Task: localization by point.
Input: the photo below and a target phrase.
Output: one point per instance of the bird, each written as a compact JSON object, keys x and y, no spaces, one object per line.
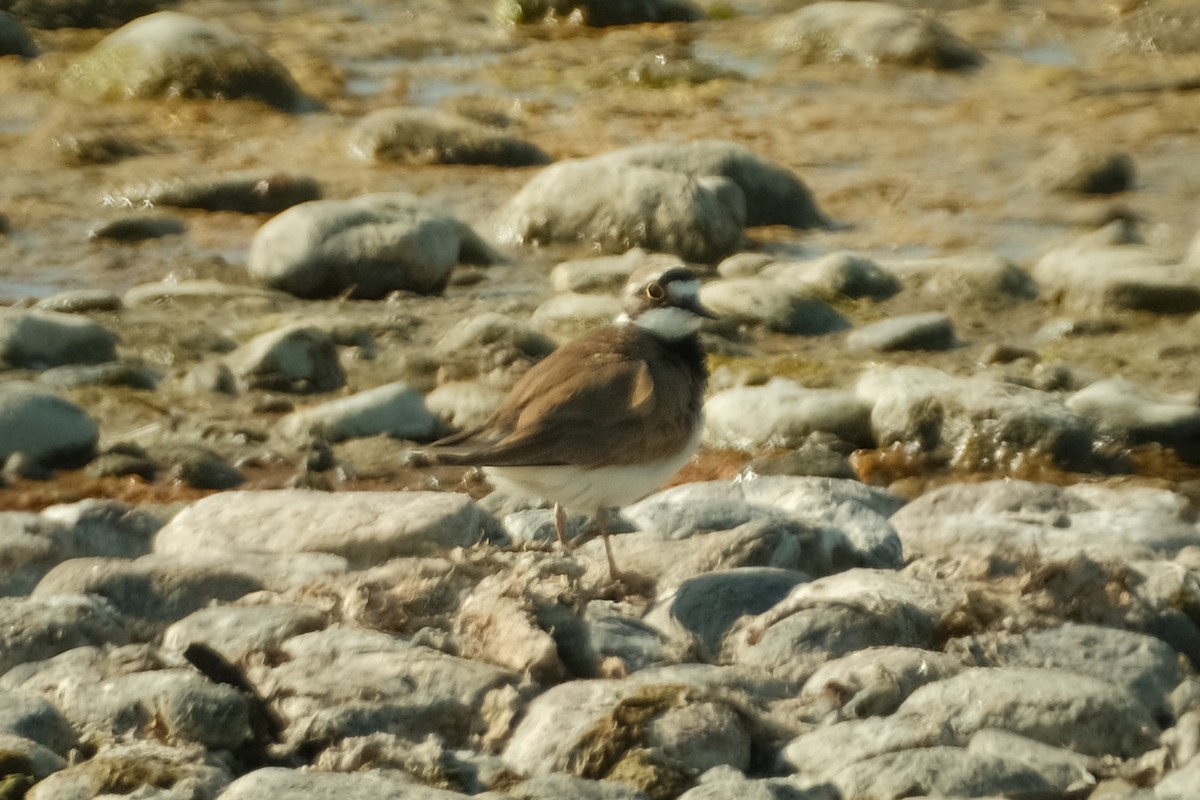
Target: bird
{"x":606,"y":419}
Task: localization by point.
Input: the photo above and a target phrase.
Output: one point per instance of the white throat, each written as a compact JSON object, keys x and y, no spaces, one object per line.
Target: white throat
{"x":668,"y":322}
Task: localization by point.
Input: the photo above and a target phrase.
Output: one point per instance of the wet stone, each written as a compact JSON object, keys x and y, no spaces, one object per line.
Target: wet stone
{"x":42,"y":627}
{"x":1129,"y":412}
{"x":14,"y":39}
{"x":137,"y":229}
{"x":154,"y":586}
{"x":843,"y":273}
{"x":871,"y":33}
{"x":41,"y":339}
{"x":370,"y":245}
{"x":47,"y":429}
{"x":597,"y":13}
{"x":80,"y":301}
{"x":169,"y":53}
{"x":33,"y":717}
{"x":932,"y":331}
{"x":138,"y":768}
{"x":197,"y":466}
{"x":394,"y":409}
{"x":782,"y":413}
{"x":297,"y":358}
{"x":431,"y":136}
{"x":365,"y":527}
{"x":132,"y":376}
{"x":981,"y":421}
{"x":77,"y":14}
{"x":1072,"y":167}
{"x":244,"y":194}
{"x":604,"y":203}
{"x":758,"y":301}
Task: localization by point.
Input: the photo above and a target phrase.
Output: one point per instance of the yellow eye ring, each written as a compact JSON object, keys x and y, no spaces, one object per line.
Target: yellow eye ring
{"x":655,"y":291}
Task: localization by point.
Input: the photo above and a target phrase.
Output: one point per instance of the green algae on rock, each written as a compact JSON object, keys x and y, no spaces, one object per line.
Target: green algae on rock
{"x":173,"y":55}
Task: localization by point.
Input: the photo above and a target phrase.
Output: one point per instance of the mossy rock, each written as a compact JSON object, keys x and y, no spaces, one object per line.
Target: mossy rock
{"x":174,"y":55}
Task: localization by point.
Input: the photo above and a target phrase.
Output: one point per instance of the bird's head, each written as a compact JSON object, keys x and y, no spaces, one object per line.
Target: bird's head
{"x":665,"y":302}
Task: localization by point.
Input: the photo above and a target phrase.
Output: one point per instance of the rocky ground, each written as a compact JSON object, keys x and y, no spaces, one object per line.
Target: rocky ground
{"x":942,"y":538}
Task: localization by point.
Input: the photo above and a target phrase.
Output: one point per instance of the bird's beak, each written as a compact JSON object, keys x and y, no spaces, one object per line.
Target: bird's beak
{"x":693,"y":305}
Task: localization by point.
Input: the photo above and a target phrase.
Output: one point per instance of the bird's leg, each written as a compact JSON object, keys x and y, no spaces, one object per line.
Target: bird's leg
{"x":560,"y":527}
{"x":602,"y":527}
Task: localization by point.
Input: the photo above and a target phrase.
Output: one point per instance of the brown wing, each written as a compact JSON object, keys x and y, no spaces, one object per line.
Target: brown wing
{"x":576,"y":404}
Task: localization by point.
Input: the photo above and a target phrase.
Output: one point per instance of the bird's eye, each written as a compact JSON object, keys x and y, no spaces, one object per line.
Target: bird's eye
{"x":655,"y":291}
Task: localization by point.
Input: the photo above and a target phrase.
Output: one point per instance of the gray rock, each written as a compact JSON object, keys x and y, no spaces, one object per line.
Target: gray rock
{"x":171,"y":54}
{"x":577,"y":727}
{"x":932,"y":331}
{"x":605,"y":273}
{"x":41,"y":627}
{"x":197,"y":466}
{"x":841,"y":273}
{"x":202,"y":292}
{"x":131,"y":376}
{"x":705,"y":607}
{"x":782,"y":413}
{"x":1081,"y":713}
{"x":80,"y":301}
{"x":28,"y":757}
{"x":941,"y":772}
{"x":295,"y":358}
{"x":872,"y":33}
{"x":137,"y":228}
{"x":462,"y":405}
{"x":983,"y":423}
{"x":758,"y":301}
{"x":1141,"y":665}
{"x":187,"y":706}
{"x":597,"y":13}
{"x":851,"y":518}
{"x":576,"y":311}
{"x":432,"y":136}
{"x":41,"y":339}
{"x":313,"y":785}
{"x":1099,"y":275}
{"x":33,"y":543}
{"x":79,"y":13}
{"x":497,"y":334}
{"x":1181,"y":784}
{"x":88,"y":664}
{"x":1031,"y":519}
{"x":1129,"y":412}
{"x":613,"y":633}
{"x":394,"y":409}
{"x":744,"y":265}
{"x":14,"y":39}
{"x":236,"y":631}
{"x":614,"y":206}
{"x":1072,"y":167}
{"x":722,"y":783}
{"x":365,"y":527}
{"x":370,"y":246}
{"x":384,"y":684}
{"x":155,"y":586}
{"x":981,"y":278}
{"x":820,"y":455}
{"x":143,"y":769}
{"x":33,"y":717}
{"x":773,"y":194}
{"x":876,"y":680}
{"x":558,"y":785}
{"x":1067,"y":771}
{"x":836,"y":615}
{"x":240,"y":193}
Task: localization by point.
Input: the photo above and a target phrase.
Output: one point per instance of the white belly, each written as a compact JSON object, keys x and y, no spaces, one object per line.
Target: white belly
{"x":587,"y":490}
